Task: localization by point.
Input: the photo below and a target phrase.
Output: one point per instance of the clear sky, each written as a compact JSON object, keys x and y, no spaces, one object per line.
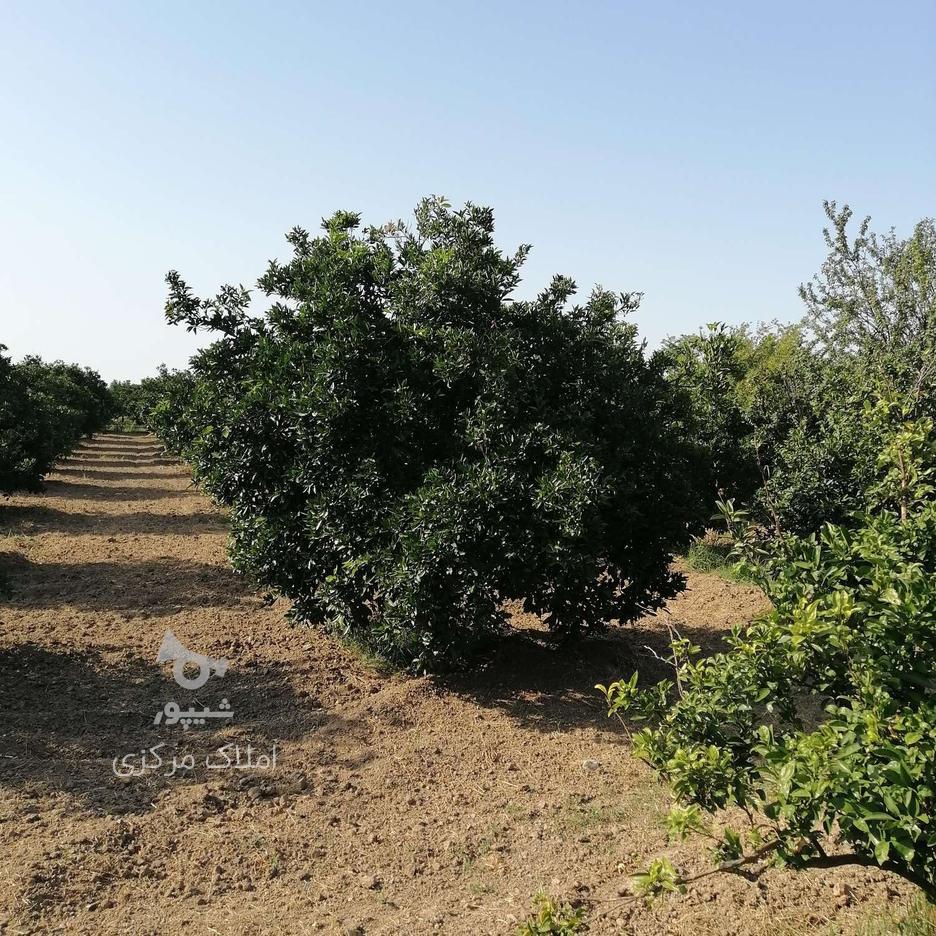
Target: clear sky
{"x":680,"y":149}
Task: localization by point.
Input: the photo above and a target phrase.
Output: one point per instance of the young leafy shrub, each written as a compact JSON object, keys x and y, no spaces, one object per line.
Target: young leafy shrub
{"x":404,"y":446}
{"x":820,"y":720}
{"x":552,"y":918}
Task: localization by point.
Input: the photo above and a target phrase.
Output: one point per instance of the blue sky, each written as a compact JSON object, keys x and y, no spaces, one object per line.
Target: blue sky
{"x":680,"y":149}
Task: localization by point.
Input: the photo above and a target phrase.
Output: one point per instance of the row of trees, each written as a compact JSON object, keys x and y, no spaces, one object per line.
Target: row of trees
{"x":404,"y":446}
{"x":45,"y":409}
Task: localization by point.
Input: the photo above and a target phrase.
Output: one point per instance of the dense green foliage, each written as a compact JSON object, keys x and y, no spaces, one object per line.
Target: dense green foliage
{"x":820,"y":719}
{"x":553,"y":918}
{"x":874,"y":302}
{"x":707,"y":371}
{"x":169,"y":410}
{"x":404,"y":446}
{"x":780,"y":410}
{"x":159,"y":403}
{"x":130,"y":404}
{"x":44,"y":410}
{"x":781,"y":422}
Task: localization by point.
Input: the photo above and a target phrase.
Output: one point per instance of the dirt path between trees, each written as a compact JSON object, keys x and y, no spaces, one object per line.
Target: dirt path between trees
{"x":396,"y":806}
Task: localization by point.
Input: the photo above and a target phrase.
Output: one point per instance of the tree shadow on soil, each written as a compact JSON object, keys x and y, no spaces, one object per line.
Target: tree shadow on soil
{"x":118,"y":460}
{"x":39,"y":519}
{"x":136,"y":588}
{"x":68,"y":715}
{"x":105,"y":475}
{"x":136,"y":442}
{"x":75,"y":490}
{"x":549,"y":684}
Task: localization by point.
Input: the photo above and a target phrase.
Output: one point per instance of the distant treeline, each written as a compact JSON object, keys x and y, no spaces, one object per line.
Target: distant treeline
{"x":781,"y":412}
{"x":45,"y":409}
{"x":136,"y":402}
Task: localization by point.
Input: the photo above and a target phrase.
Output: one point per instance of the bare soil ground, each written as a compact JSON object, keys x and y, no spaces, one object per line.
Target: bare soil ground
{"x":397,"y":805}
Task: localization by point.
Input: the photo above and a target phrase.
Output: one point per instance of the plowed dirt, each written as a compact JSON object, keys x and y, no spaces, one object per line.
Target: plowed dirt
{"x":396,"y":806}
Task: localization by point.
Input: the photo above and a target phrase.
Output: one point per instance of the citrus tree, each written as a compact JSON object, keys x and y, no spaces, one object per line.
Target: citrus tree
{"x":707,"y":370}
{"x":819,"y":721}
{"x":404,"y":445}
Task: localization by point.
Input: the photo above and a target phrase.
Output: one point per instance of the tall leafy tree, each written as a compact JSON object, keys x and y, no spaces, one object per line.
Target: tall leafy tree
{"x":780,"y":410}
{"x":874,"y":302}
{"x":404,"y":445}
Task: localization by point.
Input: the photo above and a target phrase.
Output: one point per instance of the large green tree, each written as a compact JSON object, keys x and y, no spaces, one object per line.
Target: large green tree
{"x":405,"y":445}
{"x":874,"y":303}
